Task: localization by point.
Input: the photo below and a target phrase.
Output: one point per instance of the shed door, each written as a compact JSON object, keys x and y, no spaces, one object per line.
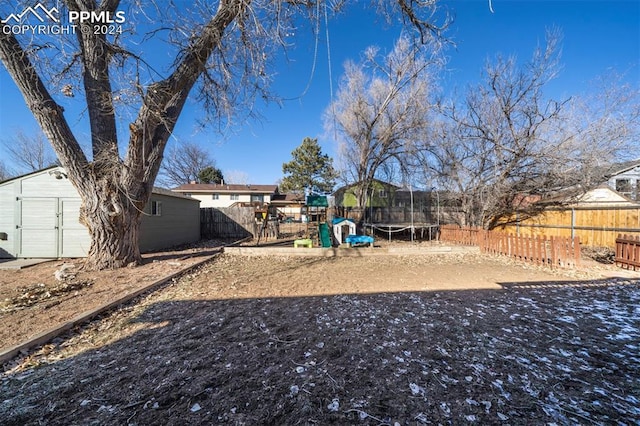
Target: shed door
{"x":37,"y":229}
{"x":74,"y":237}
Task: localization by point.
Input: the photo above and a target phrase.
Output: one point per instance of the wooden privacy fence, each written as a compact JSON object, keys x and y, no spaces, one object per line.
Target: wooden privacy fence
{"x":234,"y":223}
{"x":228,"y":222}
{"x":549,"y":251}
{"x":628,"y":251}
{"x":596,"y":226}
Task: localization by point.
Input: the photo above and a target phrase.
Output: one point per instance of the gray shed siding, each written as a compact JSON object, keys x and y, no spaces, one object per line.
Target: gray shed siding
{"x":7,"y":220}
{"x":39,"y":214}
{"x":178,"y":223}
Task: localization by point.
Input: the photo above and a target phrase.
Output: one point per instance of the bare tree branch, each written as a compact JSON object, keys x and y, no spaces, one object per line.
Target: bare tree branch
{"x":29,"y":153}
{"x":382,"y":107}
{"x":183,"y":163}
{"x":508,"y":151}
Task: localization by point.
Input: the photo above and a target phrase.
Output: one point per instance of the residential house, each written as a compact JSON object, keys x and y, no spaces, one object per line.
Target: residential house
{"x":227,"y":195}
{"x":380,"y":194}
{"x":39,"y":217}
{"x":388,"y":203}
{"x":624,"y":178}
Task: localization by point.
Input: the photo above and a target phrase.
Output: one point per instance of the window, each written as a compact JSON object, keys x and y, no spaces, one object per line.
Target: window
{"x":382,"y":193}
{"x":257,"y":198}
{"x":187,"y":194}
{"x":623,"y":185}
{"x":235,"y":197}
{"x":156,"y":208}
{"x":215,"y":196}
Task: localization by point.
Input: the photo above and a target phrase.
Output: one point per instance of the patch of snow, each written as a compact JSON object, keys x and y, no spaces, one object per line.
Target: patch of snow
{"x":334,"y":406}
{"x":422,"y":418}
{"x":567,"y":319}
{"x":445,"y":408}
{"x":620,"y":336}
{"x":415,"y":389}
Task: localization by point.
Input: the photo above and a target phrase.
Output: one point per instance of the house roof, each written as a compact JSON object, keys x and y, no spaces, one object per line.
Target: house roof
{"x":604,"y":195}
{"x":169,"y":193}
{"x":226,"y":188}
{"x":288,"y":198}
{"x":615,"y":169}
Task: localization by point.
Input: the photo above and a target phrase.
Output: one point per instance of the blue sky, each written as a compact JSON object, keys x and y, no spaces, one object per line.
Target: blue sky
{"x":598,"y":36}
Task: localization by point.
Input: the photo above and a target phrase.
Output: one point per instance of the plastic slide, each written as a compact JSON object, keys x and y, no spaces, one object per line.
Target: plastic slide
{"x":325,"y":238}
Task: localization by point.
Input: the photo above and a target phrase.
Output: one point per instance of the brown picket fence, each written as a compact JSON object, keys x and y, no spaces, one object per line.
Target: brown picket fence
{"x":549,"y":251}
{"x":465,"y":235}
{"x":628,"y":251}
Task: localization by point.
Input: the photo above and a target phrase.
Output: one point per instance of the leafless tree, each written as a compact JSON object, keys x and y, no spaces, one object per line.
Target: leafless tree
{"x":508,"y":151}
{"x":604,"y":125}
{"x":29,"y":153}
{"x":381,"y":108}
{"x":183,"y":163}
{"x":4,"y":172}
{"x":238,"y":177}
{"x":220,"y":49}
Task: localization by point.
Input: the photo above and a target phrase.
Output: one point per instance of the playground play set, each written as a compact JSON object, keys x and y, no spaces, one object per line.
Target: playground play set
{"x":344,"y":230}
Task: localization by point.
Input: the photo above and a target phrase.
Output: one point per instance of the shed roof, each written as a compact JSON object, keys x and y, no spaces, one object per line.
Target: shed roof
{"x":29,"y":174}
{"x":156,"y":189}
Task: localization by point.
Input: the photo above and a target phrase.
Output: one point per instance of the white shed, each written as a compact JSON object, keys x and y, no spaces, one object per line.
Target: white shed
{"x":39,"y":217}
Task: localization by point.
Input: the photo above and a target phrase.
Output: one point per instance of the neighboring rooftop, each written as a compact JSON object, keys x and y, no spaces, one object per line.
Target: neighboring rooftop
{"x":222,"y":188}
{"x":289,"y":198}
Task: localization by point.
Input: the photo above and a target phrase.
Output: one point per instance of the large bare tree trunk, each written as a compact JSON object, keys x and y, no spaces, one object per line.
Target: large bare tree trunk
{"x":114,"y":234}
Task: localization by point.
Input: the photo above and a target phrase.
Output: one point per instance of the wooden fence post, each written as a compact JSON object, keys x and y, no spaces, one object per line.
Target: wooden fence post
{"x":554,"y":252}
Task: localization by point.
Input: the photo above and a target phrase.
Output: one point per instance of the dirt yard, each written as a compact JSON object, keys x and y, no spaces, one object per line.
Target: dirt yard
{"x":434,"y":339}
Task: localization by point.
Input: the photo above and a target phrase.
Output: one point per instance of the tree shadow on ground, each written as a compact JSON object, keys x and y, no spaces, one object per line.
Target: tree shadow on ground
{"x":531,"y":353}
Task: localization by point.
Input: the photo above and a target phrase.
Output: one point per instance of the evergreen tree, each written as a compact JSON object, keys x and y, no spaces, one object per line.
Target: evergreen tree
{"x":309,"y":168}
{"x":210,"y":175}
